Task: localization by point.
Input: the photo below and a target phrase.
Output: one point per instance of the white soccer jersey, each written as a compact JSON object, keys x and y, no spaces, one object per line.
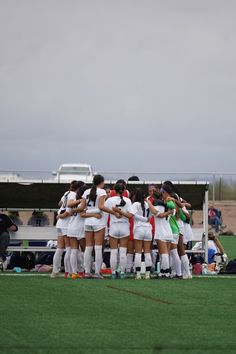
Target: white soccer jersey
{"x":140,"y":216}
{"x":115,"y":202}
{"x":162,"y":227}
{"x":63,"y":223}
{"x":92,"y":207}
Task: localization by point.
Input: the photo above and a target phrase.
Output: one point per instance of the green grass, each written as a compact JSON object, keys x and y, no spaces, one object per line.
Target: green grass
{"x":229,"y":243}
{"x":40,"y":315}
{"x":56,"y":316}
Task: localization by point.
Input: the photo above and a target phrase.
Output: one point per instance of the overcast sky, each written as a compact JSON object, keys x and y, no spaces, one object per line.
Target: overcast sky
{"x":122,"y":84}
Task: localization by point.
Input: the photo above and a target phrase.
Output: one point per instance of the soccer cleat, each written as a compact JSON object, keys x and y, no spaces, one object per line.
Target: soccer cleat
{"x":87,"y":276}
{"x":147,"y":276}
{"x":75,"y":276}
{"x":54,"y":275}
{"x":66,"y":275}
{"x":187,"y":276}
{"x":163,"y":276}
{"x":97,"y":276}
{"x":138,"y":276}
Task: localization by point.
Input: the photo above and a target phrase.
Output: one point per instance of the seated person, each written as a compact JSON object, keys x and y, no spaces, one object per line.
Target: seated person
{"x":38,"y":218}
{"x":214,"y":247}
{"x":6,"y":225}
{"x":215,"y":218}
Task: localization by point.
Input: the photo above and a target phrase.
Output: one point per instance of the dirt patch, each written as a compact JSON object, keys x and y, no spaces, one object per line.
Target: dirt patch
{"x":228,"y":210}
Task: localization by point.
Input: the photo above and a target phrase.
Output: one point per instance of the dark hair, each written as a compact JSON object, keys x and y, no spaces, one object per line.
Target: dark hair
{"x":119,"y":188}
{"x":157,"y":195}
{"x":172,"y":186}
{"x":97,"y":179}
{"x":81,"y":191}
{"x":167,"y":189}
{"x":76,"y":185}
{"x":121,"y":181}
{"x":140,"y":197}
{"x":133,"y":178}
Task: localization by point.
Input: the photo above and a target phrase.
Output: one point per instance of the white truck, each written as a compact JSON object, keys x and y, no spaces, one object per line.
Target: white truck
{"x":68,"y":172}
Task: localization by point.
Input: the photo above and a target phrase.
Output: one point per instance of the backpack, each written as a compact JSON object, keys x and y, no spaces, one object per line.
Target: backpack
{"x":231,"y":267}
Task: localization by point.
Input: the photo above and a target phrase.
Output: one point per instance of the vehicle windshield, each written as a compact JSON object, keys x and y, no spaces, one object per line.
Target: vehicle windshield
{"x":70,"y":170}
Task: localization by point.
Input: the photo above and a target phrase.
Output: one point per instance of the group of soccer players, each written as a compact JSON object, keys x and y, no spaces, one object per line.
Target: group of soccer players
{"x":132,"y":221}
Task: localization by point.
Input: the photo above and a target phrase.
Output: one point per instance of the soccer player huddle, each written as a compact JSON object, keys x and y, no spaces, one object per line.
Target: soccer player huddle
{"x":132,"y":222}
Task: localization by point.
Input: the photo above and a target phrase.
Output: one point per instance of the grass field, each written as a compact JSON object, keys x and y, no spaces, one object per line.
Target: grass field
{"x":40,"y":315}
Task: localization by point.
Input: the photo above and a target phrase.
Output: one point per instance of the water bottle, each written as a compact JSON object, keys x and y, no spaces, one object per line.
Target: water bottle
{"x":204,"y":269}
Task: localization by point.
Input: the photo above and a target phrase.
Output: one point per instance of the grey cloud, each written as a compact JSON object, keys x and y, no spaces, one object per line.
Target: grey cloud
{"x":129,"y":80}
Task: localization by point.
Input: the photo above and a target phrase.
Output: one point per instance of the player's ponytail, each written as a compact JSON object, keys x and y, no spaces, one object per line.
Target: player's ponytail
{"x":119,"y":188}
{"x":98,"y":179}
{"x":140,"y":197}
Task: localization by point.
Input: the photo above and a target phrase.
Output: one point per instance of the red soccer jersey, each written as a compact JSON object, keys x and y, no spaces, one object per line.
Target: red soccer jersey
{"x":124,"y":194}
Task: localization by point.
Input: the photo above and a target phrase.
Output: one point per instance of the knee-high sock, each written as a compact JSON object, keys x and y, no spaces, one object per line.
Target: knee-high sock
{"x":137,"y":262}
{"x":67,"y":260}
{"x":74,"y":260}
{"x":165,"y":265}
{"x":98,"y":258}
{"x":57,"y":260}
{"x":185,"y":265}
{"x":123,"y":259}
{"x":113,"y":259}
{"x":88,"y":259}
{"x":176,"y":262}
{"x":130,"y":262}
{"x":148,"y":261}
{"x":154,"y":258}
{"x":80,"y":258}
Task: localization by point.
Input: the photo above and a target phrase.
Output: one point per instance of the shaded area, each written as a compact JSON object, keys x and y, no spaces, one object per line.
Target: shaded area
{"x":46,"y":195}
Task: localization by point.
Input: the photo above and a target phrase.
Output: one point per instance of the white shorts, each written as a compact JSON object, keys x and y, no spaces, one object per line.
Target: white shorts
{"x":176,"y":239}
{"x":94,"y":228}
{"x":188,"y":233}
{"x":61,"y":232}
{"x":119,"y":230}
{"x":171,"y":240}
{"x":143,"y":233}
{"x":77,"y":232}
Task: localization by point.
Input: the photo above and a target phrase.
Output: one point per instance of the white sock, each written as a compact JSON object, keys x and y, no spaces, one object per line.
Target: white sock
{"x":165,"y":265}
{"x":88,"y":259}
{"x":123,"y":259}
{"x":118,"y":261}
{"x":57,"y":260}
{"x":154,"y":258}
{"x":98,"y":258}
{"x":148,"y":261}
{"x":113,"y":259}
{"x":67,"y":260}
{"x":185,"y":265}
{"x":130,"y":262}
{"x":175,"y":261}
{"x":137,"y":262}
{"x":74,"y":260}
{"x":80,"y":258}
